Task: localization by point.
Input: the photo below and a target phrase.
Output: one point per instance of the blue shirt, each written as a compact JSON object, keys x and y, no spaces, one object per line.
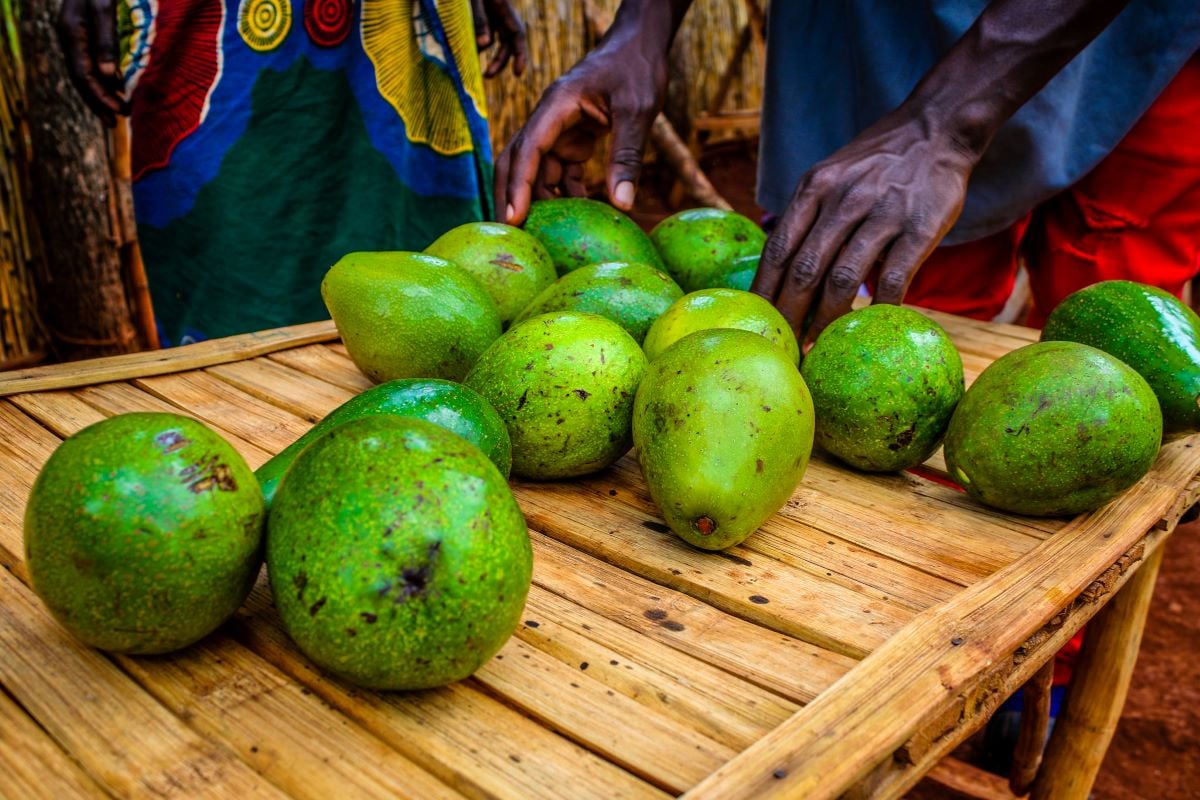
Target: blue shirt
{"x":834,"y":68}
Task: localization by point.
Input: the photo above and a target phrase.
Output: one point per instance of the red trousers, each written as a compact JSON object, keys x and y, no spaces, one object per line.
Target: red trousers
{"x":1136,"y":216}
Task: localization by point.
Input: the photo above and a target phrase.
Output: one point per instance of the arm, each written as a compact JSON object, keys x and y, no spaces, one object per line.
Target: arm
{"x":87,"y":33}
{"x":498,"y":21}
{"x":895,"y":190}
{"x":619,"y":86}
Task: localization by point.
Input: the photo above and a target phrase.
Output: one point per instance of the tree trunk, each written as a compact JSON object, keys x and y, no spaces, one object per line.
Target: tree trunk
{"x":82,"y":293}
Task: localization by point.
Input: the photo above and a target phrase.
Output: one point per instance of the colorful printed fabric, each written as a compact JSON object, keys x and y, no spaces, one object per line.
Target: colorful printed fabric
{"x":270,"y":137}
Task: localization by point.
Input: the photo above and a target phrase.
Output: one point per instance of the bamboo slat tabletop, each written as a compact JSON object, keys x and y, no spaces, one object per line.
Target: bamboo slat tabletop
{"x":848,"y":645}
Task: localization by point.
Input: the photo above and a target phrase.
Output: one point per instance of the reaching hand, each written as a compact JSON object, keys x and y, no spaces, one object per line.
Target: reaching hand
{"x":887,"y":197}
{"x":87,"y":33}
{"x":498,"y":20}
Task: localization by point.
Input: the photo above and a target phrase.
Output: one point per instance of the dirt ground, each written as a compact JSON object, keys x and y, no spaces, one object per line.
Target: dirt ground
{"x":1155,"y":753}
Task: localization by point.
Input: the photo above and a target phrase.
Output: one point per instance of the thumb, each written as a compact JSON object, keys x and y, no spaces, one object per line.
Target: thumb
{"x":630,"y":128}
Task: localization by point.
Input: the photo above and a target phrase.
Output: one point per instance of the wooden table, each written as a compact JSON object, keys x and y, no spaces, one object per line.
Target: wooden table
{"x":845,"y":648}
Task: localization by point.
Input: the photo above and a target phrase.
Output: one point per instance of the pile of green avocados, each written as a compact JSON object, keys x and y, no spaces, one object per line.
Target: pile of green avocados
{"x":396,"y":553}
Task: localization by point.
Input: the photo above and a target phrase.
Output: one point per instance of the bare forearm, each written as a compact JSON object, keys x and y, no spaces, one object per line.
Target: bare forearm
{"x":651,"y":23}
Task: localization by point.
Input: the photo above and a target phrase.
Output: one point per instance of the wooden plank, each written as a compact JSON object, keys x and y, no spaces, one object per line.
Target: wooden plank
{"x":472,"y":742}
{"x":761,"y":590}
{"x":726,"y":708}
{"x":971,"y":781}
{"x":126,"y":741}
{"x":784,"y":665}
{"x":301,"y":745}
{"x":322,"y":362}
{"x":303,"y":395}
{"x":161,"y":362}
{"x":33,"y":766}
{"x":864,"y":718}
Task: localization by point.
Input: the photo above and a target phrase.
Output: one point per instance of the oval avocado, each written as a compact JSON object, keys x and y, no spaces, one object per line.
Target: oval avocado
{"x":143,"y":532}
{"x":884,"y":381}
{"x":564,"y":384}
{"x":448,"y":405}
{"x":1052,"y":429}
{"x":738,"y":273}
{"x":1150,"y":330}
{"x":698,"y":244}
{"x":508,"y":262}
{"x":720,"y":308}
{"x":409,"y":315}
{"x":631,"y":295}
{"x":723,"y":426}
{"x":577,"y":231}
{"x":397,"y":555}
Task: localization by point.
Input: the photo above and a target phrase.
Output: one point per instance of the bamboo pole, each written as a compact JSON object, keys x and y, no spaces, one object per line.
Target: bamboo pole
{"x":126,"y":227}
{"x":1035,"y":721}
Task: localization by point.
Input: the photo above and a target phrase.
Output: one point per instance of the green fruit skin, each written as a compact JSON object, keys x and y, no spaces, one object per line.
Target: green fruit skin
{"x":564,"y":385}
{"x":409,"y":315}
{"x":511,"y":264}
{"x":448,"y":405}
{"x":1150,"y":330}
{"x":737,"y":274}
{"x":143,"y":533}
{"x":720,"y":308}
{"x":577,"y":232}
{"x":723,"y":426}
{"x":397,"y":554}
{"x":698,"y":244}
{"x":1053,"y":429}
{"x":631,"y":295}
{"x":884,"y":381}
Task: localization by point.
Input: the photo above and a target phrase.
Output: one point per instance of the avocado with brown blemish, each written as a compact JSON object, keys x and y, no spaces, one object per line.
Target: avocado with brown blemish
{"x":723,"y":426}
{"x":143,"y":532}
{"x":1053,"y":429}
{"x":564,"y":384}
{"x":397,"y":554}
{"x":884,"y":381}
{"x":509,"y":263}
{"x":720,"y":308}
{"x":1150,"y":330}
{"x":446,"y":404}
{"x":631,"y":295}
{"x":698,"y":245}
{"x":577,"y":232}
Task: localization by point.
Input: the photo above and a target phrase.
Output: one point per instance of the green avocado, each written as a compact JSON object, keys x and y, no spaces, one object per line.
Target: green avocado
{"x":510,"y":264}
{"x":631,"y":295}
{"x":564,"y":384}
{"x":723,"y":426}
{"x":409,"y":315}
{"x":576,"y":232}
{"x":397,"y":555}
{"x":884,"y":381}
{"x":448,"y":405}
{"x":737,"y":274}
{"x":143,"y":533}
{"x":720,"y":308}
{"x":1150,"y":330}
{"x":1053,"y":429}
{"x":699,"y":244}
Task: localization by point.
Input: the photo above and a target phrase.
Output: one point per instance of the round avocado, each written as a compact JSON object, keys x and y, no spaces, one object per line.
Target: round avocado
{"x":631,"y":295}
{"x":698,"y":244}
{"x":143,"y":533}
{"x":409,"y":315}
{"x":448,"y":405}
{"x":1150,"y":330}
{"x":723,"y":425}
{"x":1053,"y":429}
{"x":564,"y":384}
{"x":884,"y":381}
{"x":397,"y":554}
{"x":576,"y":232}
{"x":510,"y":264}
{"x":720,"y":308}
{"x":737,"y":274}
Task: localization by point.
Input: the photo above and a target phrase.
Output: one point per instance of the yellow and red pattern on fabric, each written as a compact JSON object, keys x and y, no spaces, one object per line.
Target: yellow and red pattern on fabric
{"x":328,"y":22}
{"x":413,"y":83}
{"x":170,"y":98}
{"x":264,"y":24}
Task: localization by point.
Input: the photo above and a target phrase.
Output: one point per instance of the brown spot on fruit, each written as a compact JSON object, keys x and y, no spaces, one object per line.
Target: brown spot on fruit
{"x":317,"y":606}
{"x":171,"y":441}
{"x":704,"y":525}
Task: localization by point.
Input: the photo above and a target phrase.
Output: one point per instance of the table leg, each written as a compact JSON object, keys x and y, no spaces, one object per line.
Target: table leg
{"x":1097,"y":693}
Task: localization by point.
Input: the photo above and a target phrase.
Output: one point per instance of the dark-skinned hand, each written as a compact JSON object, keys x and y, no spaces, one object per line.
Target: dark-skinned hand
{"x":498,"y":21}
{"x":87,"y":33}
{"x":887,"y":198}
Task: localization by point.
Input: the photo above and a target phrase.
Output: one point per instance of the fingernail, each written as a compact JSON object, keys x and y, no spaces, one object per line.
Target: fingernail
{"x":624,"y":195}
{"x":509,"y":213}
